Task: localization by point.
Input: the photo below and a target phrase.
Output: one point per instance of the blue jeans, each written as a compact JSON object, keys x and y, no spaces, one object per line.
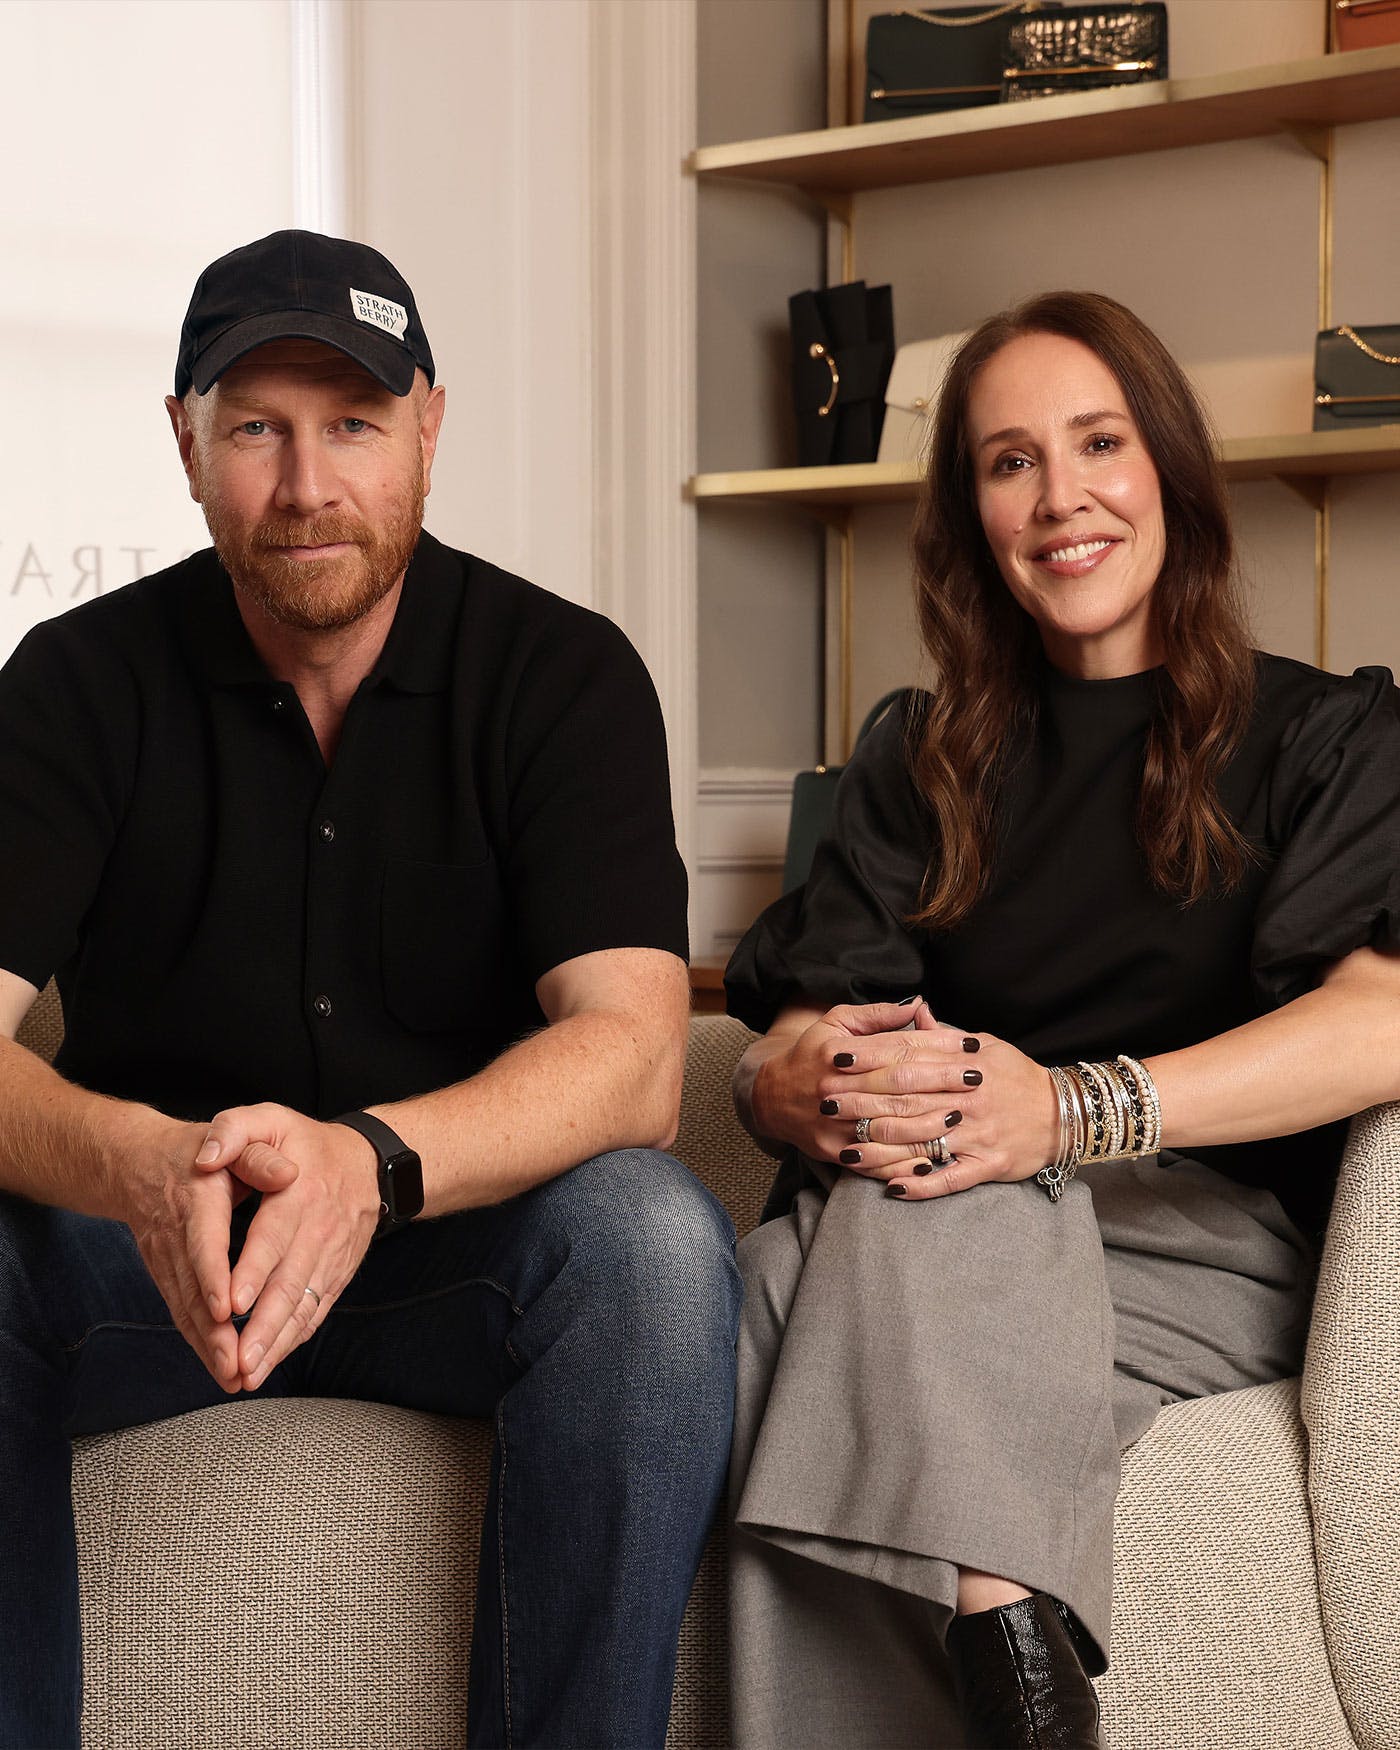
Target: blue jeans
{"x":594,"y":1318}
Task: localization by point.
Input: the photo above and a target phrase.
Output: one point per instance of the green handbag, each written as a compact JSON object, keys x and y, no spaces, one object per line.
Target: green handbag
{"x":813,"y":795}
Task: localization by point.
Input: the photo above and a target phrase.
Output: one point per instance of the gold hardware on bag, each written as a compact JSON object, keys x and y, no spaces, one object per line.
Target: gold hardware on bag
{"x":1365,"y":8}
{"x":1080,"y":67}
{"x":817,"y":351}
{"x":1347,"y":332}
{"x":932,"y":90}
{"x":1352,"y":400}
{"x":963,"y":23}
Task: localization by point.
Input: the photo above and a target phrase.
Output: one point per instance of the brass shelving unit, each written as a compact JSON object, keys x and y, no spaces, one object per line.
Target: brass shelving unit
{"x":1293,"y":97}
{"x":1305,"y":99}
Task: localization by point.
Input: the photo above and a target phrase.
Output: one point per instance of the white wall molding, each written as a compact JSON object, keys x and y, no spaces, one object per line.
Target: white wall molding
{"x":644,"y":347}
{"x":755,"y":785}
{"x":741,"y":840}
{"x":324,"y":86}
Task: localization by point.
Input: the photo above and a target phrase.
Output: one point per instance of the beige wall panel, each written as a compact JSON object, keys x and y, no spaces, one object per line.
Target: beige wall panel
{"x":761,"y":70}
{"x":1366,"y":256}
{"x":485,"y":211}
{"x":1230,"y":284}
{"x":1364,"y":600}
{"x":756,"y":249}
{"x":760,"y":637}
{"x":885,"y":651}
{"x":1274,"y":531}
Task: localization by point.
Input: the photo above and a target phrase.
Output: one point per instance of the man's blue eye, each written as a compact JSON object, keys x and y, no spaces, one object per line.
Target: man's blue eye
{"x":254,"y":427}
{"x":353,"y":424}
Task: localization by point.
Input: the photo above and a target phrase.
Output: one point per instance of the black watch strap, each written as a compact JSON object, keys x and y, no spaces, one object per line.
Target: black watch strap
{"x":400,"y":1170}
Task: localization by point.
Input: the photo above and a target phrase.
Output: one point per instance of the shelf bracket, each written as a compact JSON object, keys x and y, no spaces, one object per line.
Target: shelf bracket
{"x":832,"y":516}
{"x":835,"y":201}
{"x":1311,"y":488}
{"x":1314,"y":140}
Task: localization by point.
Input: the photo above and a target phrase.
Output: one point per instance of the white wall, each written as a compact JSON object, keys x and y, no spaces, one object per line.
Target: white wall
{"x":124,"y":175}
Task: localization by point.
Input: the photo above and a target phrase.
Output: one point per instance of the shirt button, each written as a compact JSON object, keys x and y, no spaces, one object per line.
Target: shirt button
{"x":327,"y":830}
{"x":279,"y":704}
{"x":322,"y":1006}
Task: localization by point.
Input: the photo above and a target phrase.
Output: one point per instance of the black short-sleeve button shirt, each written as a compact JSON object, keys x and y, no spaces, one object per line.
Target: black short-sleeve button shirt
{"x":230,"y":920}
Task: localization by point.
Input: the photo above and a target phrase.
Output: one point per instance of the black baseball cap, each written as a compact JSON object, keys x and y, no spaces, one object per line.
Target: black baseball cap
{"x":299,"y":285}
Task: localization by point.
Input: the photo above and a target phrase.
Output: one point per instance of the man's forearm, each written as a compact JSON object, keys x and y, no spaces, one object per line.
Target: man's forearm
{"x":62,"y":1145}
{"x":580,"y":1087}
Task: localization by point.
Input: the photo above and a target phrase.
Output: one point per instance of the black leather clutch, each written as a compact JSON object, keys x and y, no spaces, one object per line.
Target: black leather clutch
{"x":1085,"y":48}
{"x":1357,"y":377}
{"x":842,"y":351}
{"x":930,"y":58}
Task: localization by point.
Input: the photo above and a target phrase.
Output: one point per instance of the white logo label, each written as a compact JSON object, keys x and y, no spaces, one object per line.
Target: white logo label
{"x":382,"y":312}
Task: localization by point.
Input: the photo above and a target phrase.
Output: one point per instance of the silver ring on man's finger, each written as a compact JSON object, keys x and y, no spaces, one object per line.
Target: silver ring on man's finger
{"x":312,"y":1292}
{"x":862,"y":1130}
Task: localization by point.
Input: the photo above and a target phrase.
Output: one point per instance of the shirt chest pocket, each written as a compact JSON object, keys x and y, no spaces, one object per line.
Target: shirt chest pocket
{"x":442,"y":944}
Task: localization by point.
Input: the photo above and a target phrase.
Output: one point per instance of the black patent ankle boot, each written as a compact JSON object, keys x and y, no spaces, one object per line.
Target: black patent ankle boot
{"x":1020,"y":1680}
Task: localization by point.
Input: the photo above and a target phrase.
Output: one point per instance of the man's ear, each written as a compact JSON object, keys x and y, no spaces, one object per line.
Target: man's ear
{"x":429,"y":426}
{"x":183,"y":427}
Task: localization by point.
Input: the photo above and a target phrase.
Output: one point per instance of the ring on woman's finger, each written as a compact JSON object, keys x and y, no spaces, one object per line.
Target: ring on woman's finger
{"x":862,"y":1130}
{"x":939,"y":1152}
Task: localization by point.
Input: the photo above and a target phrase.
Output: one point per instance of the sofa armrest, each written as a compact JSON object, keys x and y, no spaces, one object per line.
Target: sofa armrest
{"x":711,"y":1141}
{"x":41,"y":1030}
{"x":1351,"y":1407}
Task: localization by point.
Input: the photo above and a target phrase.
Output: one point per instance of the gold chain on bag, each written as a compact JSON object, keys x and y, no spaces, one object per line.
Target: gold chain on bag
{"x":1347,"y":332}
{"x":963,"y":23}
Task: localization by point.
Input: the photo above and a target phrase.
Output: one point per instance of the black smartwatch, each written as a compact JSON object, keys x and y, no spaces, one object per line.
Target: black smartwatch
{"x":400,"y":1171}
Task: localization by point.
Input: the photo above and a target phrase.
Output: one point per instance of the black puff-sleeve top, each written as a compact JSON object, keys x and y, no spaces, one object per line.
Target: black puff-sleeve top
{"x":1071,"y":952}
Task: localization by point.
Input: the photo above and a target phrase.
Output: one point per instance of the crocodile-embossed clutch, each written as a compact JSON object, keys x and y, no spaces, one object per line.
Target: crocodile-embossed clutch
{"x":1084,"y":48}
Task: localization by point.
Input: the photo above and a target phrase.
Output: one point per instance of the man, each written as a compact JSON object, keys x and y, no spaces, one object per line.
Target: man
{"x":352,"y":856}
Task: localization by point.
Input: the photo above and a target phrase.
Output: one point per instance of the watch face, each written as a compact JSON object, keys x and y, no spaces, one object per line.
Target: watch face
{"x":401,"y":1186}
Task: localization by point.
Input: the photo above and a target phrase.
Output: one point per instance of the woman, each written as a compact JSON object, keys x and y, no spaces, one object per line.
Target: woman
{"x":1115,"y":843}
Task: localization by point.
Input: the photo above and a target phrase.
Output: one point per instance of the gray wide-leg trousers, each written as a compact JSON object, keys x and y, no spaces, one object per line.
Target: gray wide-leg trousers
{"x":934,"y":1385}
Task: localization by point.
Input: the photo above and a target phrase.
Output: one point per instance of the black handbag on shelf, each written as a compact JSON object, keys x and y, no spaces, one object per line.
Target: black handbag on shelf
{"x":925,"y":59}
{"x":1085,"y":48}
{"x":1357,"y":376}
{"x":842,"y":351}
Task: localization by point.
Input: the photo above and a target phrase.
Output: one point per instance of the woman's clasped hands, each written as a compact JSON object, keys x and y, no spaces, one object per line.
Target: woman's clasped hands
{"x":862,"y":1088}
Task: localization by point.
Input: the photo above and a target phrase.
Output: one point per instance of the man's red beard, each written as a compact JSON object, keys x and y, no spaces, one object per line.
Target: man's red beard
{"x":316,"y":595}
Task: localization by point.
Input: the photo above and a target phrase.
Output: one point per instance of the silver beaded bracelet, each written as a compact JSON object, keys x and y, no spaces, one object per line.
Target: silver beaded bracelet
{"x":1107,"y":1112}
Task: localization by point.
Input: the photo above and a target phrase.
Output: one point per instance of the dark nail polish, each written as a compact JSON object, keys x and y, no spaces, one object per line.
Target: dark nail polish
{"x":849,"y":1157}
{"x":950,"y":1119}
{"x":971,"y":1044}
{"x":844,"y":1059}
{"x":973,"y":1078}
{"x":830,"y":1108}
{"x":896,"y":1190}
{"x":904,"y":1002}
{"x":922,"y":1169}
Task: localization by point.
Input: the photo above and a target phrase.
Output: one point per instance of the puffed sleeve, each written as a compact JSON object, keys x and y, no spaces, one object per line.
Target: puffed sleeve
{"x":842,"y":937}
{"x":1334,"y":814}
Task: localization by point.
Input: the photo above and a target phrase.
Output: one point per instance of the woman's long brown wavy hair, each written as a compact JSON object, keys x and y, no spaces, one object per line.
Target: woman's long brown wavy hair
{"x":985,"y":648}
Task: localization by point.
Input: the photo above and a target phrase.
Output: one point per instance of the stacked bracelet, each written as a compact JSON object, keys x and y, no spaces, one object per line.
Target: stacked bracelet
{"x":1108,"y":1112}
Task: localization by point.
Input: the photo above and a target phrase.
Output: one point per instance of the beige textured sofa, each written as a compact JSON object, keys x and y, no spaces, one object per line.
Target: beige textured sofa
{"x":299,"y":1575}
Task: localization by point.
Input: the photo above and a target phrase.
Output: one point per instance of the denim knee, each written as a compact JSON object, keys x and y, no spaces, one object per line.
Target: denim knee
{"x":653,"y":1251}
